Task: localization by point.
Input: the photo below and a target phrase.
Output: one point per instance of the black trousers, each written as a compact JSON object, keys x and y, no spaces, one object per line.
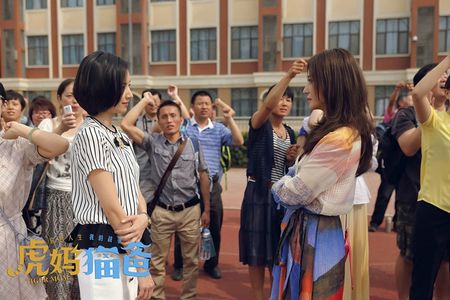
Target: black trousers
{"x":431,"y":245}
{"x":215,"y":226}
{"x":384,"y":194}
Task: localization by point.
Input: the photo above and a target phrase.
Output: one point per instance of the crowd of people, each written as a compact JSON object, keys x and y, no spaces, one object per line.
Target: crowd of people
{"x":74,"y":177}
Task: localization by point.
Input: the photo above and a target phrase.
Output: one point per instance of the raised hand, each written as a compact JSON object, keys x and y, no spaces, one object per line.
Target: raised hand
{"x":297,"y":67}
{"x":12,"y":130}
{"x":400,"y":84}
{"x":172,"y":91}
{"x":228,"y":112}
{"x":68,"y":121}
{"x":149,"y":99}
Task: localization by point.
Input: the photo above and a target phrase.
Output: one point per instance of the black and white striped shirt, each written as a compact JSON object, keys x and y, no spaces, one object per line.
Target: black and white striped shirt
{"x":94,"y":148}
{"x":280,"y":147}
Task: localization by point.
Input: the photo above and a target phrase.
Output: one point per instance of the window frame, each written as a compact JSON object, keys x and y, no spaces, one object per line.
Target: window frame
{"x":105,"y":2}
{"x":447,"y":34}
{"x":46,"y":53}
{"x":292,"y":37}
{"x":208,"y":41}
{"x":340,"y":24}
{"x":43,"y":5}
{"x":81,"y":47}
{"x":388,"y":89}
{"x":169,"y":42}
{"x":299,"y":103}
{"x":400,"y":34}
{"x":251,"y":39}
{"x":107,"y":34}
{"x":250,"y":101}
{"x":65,"y":4}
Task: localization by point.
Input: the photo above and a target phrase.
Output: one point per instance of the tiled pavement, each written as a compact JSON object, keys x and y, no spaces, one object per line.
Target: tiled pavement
{"x":235,"y":283}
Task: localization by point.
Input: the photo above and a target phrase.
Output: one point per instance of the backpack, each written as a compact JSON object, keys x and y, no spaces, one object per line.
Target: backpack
{"x":225,"y":162}
{"x":393,"y":160}
{"x":380,"y":130}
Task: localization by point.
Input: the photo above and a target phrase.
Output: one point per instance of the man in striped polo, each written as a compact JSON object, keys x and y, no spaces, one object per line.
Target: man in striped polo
{"x":212,"y":136}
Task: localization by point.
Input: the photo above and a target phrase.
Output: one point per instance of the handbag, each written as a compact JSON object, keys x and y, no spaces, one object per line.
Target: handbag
{"x":36,"y":198}
{"x":38,"y":249}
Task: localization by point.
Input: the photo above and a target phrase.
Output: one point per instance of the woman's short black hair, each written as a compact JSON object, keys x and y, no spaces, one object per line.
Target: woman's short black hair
{"x":288,"y":93}
{"x":100,"y":82}
{"x":62,"y":86}
{"x":41,"y":103}
{"x":13,"y":95}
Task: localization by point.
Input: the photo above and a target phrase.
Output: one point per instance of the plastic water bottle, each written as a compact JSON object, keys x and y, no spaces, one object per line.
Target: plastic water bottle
{"x":206,"y":245}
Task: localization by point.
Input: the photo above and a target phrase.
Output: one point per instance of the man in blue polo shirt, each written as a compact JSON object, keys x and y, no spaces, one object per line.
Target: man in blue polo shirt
{"x":212,"y":136}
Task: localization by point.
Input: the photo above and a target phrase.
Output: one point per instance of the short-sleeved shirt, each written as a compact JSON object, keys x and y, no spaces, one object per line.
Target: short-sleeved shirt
{"x":409,"y":183}
{"x":95,"y":147}
{"x":58,"y":174}
{"x":17,"y":161}
{"x":389,"y":115}
{"x":435,"y":167}
{"x":181,"y":185}
{"x":212,"y":138}
{"x":146,"y":125}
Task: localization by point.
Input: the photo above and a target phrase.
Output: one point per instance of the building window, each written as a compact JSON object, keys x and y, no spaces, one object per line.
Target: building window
{"x":135,"y":6}
{"x":300,"y":106}
{"x":344,"y":35}
{"x":297,"y":40}
{"x":7,"y":10}
{"x":382,"y":95}
{"x":36,"y":4}
{"x":444,"y":33}
{"x":71,"y":3}
{"x":37,"y":50}
{"x":73,"y":49}
{"x":203,"y":44}
{"x":392,"y":36}
{"x":106,"y":2}
{"x":30,"y":95}
{"x":106,"y":42}
{"x":244,"y":42}
{"x":244,"y":101}
{"x":163,"y":45}
{"x":134,"y":58}
{"x":9,"y":47}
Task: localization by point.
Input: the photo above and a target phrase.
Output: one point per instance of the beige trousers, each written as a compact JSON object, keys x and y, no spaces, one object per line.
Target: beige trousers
{"x":357,"y":232}
{"x":186,"y":224}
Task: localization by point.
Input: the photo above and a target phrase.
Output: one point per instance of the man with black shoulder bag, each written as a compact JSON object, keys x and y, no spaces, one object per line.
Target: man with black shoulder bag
{"x":176,"y":168}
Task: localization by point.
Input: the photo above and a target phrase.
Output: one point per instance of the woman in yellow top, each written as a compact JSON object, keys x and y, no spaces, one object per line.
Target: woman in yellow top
{"x":432,"y":228}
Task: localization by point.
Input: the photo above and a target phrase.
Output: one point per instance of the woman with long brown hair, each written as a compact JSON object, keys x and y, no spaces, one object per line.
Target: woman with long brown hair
{"x":311,"y":255}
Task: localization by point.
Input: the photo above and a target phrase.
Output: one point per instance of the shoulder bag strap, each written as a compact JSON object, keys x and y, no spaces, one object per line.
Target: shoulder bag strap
{"x":162,"y":183}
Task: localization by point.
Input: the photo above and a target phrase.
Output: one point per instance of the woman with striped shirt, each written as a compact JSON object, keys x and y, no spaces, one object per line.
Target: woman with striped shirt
{"x":268,"y":142}
{"x":107,"y":203}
